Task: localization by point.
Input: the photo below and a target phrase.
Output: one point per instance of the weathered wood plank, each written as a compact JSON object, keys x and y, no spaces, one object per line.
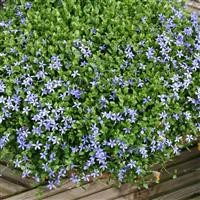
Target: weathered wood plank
{"x":181,"y":194}
{"x":120,"y":198}
{"x":184,"y":156}
{"x":103,"y":195}
{"x":171,"y":185}
{"x":138,"y":195}
{"x":13,"y":175}
{"x":193,"y":6}
{"x":180,"y":169}
{"x":126,"y":197}
{"x":71,"y":193}
{"x":97,"y":191}
{"x":79,"y":192}
{"x":111,"y":193}
{"x":7,"y":187}
{"x":197,"y":197}
{"x":41,"y":192}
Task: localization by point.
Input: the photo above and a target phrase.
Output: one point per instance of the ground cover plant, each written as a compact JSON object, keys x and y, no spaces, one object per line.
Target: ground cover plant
{"x":89,"y":87}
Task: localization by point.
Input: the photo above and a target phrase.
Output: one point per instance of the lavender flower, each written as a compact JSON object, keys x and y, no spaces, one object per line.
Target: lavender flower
{"x":26,"y":172}
{"x":138,"y":170}
{"x":2,"y":87}
{"x":143,"y":152}
{"x":28,"y":5}
{"x":51,"y":185}
{"x":187,"y":115}
{"x":132,"y":164}
{"x":37,"y":145}
{"x":150,"y":52}
{"x":76,"y":93}
{"x":75,"y":179}
{"x":17,"y":163}
{"x":189,"y":138}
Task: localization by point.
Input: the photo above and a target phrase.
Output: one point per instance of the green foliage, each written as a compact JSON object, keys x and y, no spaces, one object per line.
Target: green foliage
{"x":90,"y":87}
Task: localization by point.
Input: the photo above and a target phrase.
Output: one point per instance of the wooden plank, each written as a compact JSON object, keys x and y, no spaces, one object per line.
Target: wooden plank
{"x":171,"y":185}
{"x":7,"y":188}
{"x":103,"y":195}
{"x":13,"y":175}
{"x":44,"y":193}
{"x":180,"y":169}
{"x":181,"y":194}
{"x":111,"y":193}
{"x":186,"y":155}
{"x":193,"y":4}
{"x":183,"y":167}
{"x":33,"y":193}
{"x":41,"y":192}
{"x":197,"y":197}
{"x":121,"y":198}
{"x":138,"y":195}
{"x":79,"y":192}
{"x":126,"y":197}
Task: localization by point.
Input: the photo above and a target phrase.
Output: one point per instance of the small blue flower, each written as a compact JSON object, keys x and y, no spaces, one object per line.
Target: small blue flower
{"x":188,"y":31}
{"x":51,"y":185}
{"x":132,"y":164}
{"x":76,"y":93}
{"x":189,"y":138}
{"x":187,"y":115}
{"x":37,"y":145}
{"x":150,"y":52}
{"x":75,"y":179}
{"x":138,"y":170}
{"x":28,"y":5}
{"x":26,"y":172}
{"x":2,"y":87}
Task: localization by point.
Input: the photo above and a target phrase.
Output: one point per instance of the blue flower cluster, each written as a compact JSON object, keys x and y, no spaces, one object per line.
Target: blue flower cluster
{"x":86,"y":91}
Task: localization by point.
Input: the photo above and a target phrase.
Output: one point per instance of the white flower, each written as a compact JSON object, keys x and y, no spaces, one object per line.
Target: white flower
{"x":189,"y":138}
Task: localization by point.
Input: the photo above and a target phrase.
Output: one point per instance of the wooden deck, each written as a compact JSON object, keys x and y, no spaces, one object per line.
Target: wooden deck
{"x":186,"y":185}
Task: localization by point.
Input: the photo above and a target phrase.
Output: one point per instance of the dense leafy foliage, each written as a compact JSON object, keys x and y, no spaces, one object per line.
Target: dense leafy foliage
{"x":90,"y":86}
